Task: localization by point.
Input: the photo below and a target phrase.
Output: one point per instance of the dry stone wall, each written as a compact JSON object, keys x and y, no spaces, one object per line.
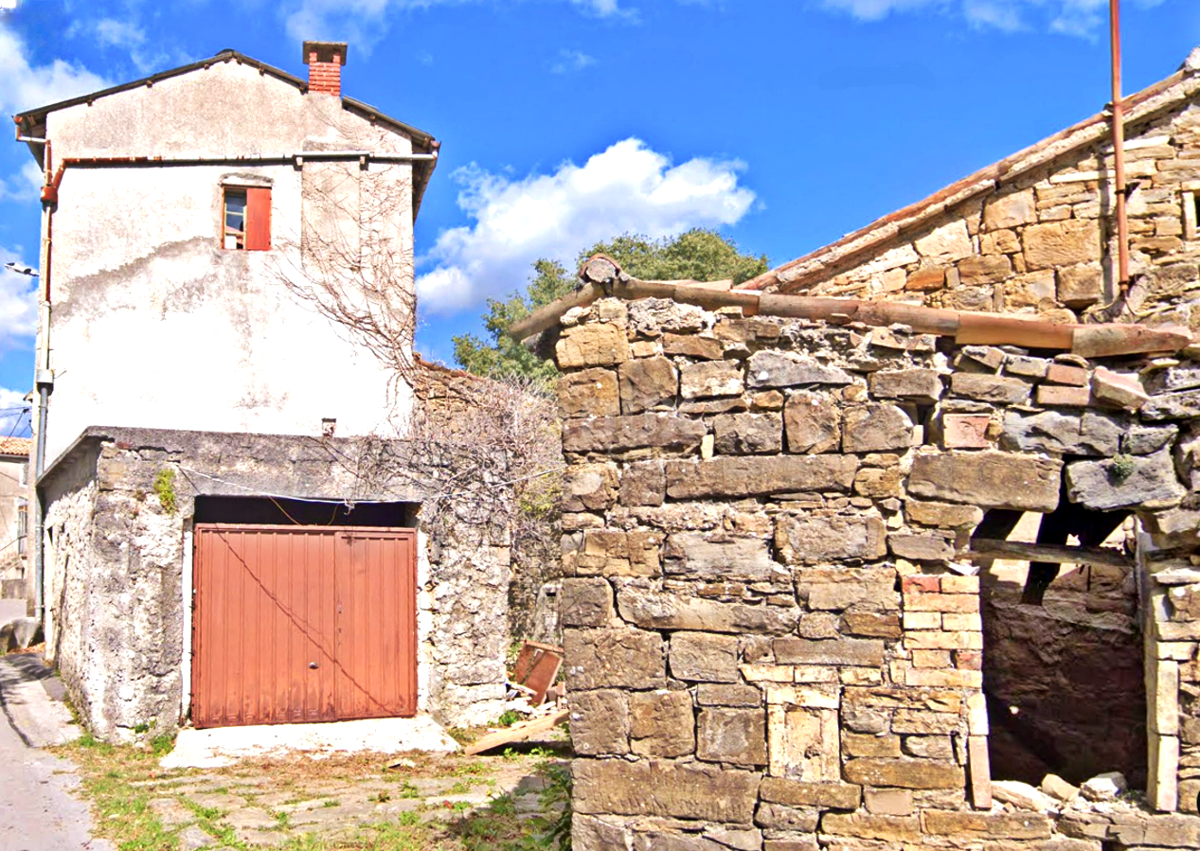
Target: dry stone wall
{"x":1043,"y":242}
{"x":773,"y":641}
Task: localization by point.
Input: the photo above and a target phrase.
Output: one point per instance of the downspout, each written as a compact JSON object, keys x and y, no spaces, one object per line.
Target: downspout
{"x":1118,"y":138}
{"x":44,"y":381}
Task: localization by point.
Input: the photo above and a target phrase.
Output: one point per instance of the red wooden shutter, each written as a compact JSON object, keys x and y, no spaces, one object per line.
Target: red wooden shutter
{"x":258,"y":219}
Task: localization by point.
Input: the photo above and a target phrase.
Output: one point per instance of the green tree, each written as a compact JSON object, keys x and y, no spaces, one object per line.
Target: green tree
{"x":698,"y":254}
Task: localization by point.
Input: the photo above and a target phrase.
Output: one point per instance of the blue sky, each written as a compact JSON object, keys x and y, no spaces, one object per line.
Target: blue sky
{"x":784,"y":123}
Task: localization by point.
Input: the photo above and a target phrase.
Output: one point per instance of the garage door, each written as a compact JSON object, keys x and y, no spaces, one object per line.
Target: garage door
{"x":301,"y":623}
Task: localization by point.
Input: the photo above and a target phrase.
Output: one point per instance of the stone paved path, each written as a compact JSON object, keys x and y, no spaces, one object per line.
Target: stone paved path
{"x":266,"y":808}
{"x":38,"y":811}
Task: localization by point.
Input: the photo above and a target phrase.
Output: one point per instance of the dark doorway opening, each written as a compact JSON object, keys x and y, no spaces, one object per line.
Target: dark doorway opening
{"x":276,"y":511}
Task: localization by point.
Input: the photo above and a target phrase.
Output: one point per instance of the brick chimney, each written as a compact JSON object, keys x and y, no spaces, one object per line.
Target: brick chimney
{"x":325,"y":60}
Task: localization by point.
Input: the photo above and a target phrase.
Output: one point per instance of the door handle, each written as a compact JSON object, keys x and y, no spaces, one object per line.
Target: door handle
{"x":313,"y":665}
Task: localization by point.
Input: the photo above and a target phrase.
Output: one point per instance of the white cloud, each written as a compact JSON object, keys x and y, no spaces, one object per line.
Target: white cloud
{"x":626,"y":188}
{"x":572,"y":60}
{"x":18,"y":301}
{"x":26,"y":185}
{"x":1072,"y":17}
{"x":25,"y":86}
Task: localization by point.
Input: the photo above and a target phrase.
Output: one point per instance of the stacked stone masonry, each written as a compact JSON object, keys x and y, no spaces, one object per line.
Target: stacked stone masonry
{"x":772,"y":629}
{"x":1043,"y":241}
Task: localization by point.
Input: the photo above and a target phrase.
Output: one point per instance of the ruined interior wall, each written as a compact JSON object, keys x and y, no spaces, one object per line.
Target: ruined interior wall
{"x":1044,"y":242}
{"x":771,"y":641}
{"x":12,"y":495}
{"x":115,"y":562}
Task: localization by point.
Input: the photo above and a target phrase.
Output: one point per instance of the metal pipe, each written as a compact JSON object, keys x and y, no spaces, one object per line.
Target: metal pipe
{"x":39,"y":526}
{"x":32,"y":139}
{"x":1118,"y":135}
{"x":42,"y":381}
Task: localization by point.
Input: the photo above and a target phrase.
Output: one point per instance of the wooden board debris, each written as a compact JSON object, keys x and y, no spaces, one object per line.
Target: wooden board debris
{"x":517,"y":732}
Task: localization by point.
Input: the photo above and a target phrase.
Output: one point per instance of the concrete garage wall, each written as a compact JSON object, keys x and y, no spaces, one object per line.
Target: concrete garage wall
{"x":116,"y":562}
{"x":773,"y":639}
{"x":152,"y":323}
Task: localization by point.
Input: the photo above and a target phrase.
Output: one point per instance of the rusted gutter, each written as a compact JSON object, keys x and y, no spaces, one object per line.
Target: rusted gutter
{"x":50,"y":190}
{"x":602,"y":277}
{"x":1118,"y":138}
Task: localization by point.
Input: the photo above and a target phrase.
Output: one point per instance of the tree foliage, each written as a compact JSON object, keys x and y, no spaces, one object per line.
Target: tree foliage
{"x":697,"y":254}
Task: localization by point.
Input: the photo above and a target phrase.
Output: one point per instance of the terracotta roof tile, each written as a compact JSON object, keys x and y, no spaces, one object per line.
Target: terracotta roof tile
{"x":15,"y":445}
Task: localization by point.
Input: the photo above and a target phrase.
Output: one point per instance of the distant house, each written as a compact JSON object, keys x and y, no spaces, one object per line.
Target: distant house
{"x":213,"y":544}
{"x":14,"y":488}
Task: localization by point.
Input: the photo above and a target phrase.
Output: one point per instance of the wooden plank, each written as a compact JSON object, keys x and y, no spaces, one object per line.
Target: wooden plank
{"x":982,"y":548}
{"x":517,"y":732}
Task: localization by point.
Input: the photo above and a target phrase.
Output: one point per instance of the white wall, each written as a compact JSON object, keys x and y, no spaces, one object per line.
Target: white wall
{"x":152,"y":323}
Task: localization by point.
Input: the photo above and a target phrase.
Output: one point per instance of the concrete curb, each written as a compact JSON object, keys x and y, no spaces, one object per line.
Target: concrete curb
{"x":33,"y":698}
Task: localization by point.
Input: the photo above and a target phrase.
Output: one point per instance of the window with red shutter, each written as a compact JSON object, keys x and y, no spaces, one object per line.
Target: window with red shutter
{"x":246,"y":222}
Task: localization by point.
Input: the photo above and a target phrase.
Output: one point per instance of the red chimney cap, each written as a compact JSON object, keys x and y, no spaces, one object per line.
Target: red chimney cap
{"x":327,"y":51}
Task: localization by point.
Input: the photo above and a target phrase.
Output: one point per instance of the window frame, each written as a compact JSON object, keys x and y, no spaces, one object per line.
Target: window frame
{"x":255,"y":234}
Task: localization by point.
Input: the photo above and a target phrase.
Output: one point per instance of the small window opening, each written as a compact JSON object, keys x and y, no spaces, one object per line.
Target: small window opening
{"x":246,"y":218}
{"x":1191,"y":214}
{"x":235,"y":219}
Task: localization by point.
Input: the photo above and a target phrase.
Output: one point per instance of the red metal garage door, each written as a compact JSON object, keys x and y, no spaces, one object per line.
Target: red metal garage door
{"x":303,"y":623}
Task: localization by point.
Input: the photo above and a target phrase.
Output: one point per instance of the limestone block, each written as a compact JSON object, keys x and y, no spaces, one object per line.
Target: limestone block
{"x":646,"y":382}
{"x":733,"y":736}
{"x":657,"y":610}
{"x":879,"y":482}
{"x":741,"y":839}
{"x":755,"y":476}
{"x":904,"y":773}
{"x":813,"y":422}
{"x":1080,"y":286}
{"x":656,"y":788}
{"x":947,"y":243}
{"x":926,"y":280}
{"x":1147,"y":481}
{"x":599,"y":722}
{"x":600,"y":344}
{"x":812,"y":538}
{"x":585,"y":602}
{"x":748,"y":434}
{"x":614,"y":658}
{"x":869,"y":744}
{"x":1026,"y":366}
{"x":692,"y":346}
{"x":788,"y":369}
{"x":943,"y":514}
{"x":643,"y":483}
{"x":987,"y":479}
{"x":1174,"y":379}
{"x":776,"y":817}
{"x":1059,"y":789}
{"x":661,"y":723}
{"x":589,"y":393}
{"x":1009,"y":210}
{"x":847,"y":651}
{"x":984,"y":270}
{"x":871,"y":624}
{"x":876,"y":428}
{"x":928,"y":747}
{"x":803,"y":743}
{"x":986,"y":356}
{"x":710,"y":378}
{"x":990,"y":388}
{"x":1086,"y":433}
{"x":717,"y":556}
{"x":1182,"y":405}
{"x":840,"y":588}
{"x":606,"y":553}
{"x":987,"y":825}
{"x":1066,"y":243}
{"x":616,"y":434}
{"x":703,"y":657}
{"x":888,"y":802}
{"x":920,"y":546}
{"x":895,"y":829}
{"x":715,"y":694}
{"x":923,"y":386}
{"x":589,"y":487}
{"x":924,"y":722}
{"x":1022,"y":796}
{"x":653,"y":316}
{"x":966,"y":431}
{"x":793,"y":842}
{"x":797,"y":793}
{"x":1118,"y":390}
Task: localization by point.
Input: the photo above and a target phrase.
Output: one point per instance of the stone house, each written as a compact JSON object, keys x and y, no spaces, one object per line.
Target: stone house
{"x":229,"y":529}
{"x":841,"y":572}
{"x":14,"y":488}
